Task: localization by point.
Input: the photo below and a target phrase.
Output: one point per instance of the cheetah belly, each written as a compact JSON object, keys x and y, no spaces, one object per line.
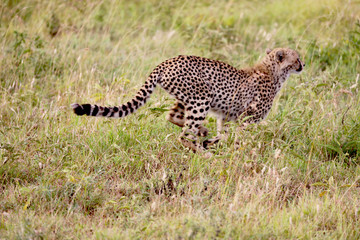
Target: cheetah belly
{"x":228,"y":108}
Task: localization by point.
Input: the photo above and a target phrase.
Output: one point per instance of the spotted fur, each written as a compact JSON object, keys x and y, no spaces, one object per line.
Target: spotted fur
{"x":201,"y":85}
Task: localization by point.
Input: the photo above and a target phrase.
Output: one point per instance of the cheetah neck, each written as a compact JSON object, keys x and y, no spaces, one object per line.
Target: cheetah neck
{"x":271,"y":68}
{"x":279,"y":80}
{"x":264,"y":68}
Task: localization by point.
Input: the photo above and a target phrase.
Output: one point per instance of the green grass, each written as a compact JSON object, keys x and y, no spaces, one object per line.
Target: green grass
{"x":295,"y":175}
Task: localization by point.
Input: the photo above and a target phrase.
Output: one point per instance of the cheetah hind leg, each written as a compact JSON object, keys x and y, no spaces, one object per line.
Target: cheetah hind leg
{"x":177,"y":116}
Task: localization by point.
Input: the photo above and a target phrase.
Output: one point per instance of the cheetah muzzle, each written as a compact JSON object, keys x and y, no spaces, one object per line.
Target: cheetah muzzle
{"x":201,"y":85}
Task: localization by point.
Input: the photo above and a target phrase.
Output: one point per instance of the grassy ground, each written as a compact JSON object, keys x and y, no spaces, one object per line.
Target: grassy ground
{"x":295,"y":175}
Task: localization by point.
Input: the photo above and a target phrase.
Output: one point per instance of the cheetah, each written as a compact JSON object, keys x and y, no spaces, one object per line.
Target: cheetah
{"x":202,"y":85}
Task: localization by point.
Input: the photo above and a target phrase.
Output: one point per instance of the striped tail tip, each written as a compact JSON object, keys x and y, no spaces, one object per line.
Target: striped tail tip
{"x":81,"y":109}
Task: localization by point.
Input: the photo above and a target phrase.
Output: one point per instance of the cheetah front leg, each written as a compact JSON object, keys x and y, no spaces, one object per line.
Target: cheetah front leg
{"x":194,"y":118}
{"x":222,"y":133}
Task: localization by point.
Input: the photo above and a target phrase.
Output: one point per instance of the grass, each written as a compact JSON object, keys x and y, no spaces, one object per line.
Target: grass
{"x":295,"y":175}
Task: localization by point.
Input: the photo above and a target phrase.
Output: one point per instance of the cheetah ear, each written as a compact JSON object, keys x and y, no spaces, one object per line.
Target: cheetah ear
{"x":280,"y":55}
{"x":268,"y":50}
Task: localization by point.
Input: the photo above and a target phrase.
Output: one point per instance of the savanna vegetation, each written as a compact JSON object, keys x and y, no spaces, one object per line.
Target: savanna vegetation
{"x":294,"y":175}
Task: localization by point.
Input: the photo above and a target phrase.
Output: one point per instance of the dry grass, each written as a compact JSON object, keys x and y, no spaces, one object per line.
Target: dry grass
{"x":295,"y":175}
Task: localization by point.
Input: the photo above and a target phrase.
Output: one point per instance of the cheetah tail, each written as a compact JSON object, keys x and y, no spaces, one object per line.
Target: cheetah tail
{"x":123,"y":110}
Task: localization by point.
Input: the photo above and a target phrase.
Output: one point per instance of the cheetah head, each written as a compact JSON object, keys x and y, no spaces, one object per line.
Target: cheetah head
{"x":286,"y":60}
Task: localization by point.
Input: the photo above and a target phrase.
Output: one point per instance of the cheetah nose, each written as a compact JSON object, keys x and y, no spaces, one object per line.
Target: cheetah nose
{"x":301,"y":63}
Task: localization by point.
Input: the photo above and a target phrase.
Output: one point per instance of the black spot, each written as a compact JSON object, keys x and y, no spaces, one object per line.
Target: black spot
{"x":78,"y":110}
{"x":87,"y":108}
{"x":120,"y":113}
{"x":124,"y":108}
{"x":106,"y":111}
{"x":95,"y":111}
{"x":210,"y":141}
{"x":135,"y":103}
{"x":139,"y":98}
{"x":115,"y":109}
